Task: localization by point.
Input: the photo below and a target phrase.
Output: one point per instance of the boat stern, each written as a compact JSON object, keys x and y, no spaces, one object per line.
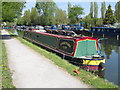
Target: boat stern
{"x":94,"y":64}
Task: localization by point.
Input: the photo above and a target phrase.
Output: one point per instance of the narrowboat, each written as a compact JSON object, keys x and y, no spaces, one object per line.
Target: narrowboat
{"x":75,"y":27}
{"x":84,"y":49}
{"x":54,"y":27}
{"x":105,"y":30}
{"x":66,"y":27}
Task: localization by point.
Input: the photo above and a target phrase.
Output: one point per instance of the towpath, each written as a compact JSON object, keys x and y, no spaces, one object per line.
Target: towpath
{"x":31,"y":70}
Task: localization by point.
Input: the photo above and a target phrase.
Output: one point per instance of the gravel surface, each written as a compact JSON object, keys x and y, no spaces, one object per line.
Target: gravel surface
{"x":31,"y":70}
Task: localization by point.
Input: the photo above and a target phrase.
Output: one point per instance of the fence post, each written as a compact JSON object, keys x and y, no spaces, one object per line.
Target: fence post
{"x":92,"y":34}
{"x":117,"y":37}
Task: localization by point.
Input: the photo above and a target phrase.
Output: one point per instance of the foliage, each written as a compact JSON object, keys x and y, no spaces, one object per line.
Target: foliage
{"x":29,"y":18}
{"x":95,"y":10}
{"x":103,"y":10}
{"x":91,"y":9}
{"x":69,"y":7}
{"x":46,"y":11}
{"x":117,"y":11}
{"x":20,"y":21}
{"x":60,"y":16}
{"x":0,"y":13}
{"x":11,"y":10}
{"x":26,"y":20}
{"x":10,"y":23}
{"x":87,"y":20}
{"x":109,"y":17}
{"x":34,"y":16}
{"x":75,"y":13}
{"x":99,"y":22}
{"x":92,"y":22}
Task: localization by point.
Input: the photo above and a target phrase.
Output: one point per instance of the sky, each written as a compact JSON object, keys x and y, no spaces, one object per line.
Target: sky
{"x":63,"y":4}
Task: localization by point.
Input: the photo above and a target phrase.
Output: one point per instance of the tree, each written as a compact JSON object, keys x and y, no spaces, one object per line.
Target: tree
{"x":99,"y":22}
{"x":29,"y":18}
{"x":0,"y":14}
{"x":91,"y":9}
{"x":117,"y":11}
{"x":11,"y":10}
{"x":75,"y":13}
{"x":34,"y":16}
{"x":69,"y":7}
{"x":103,"y":10}
{"x":20,"y":21}
{"x":60,"y":16}
{"x":109,"y":17}
{"x":46,"y":11}
{"x":95,"y":10}
{"x":26,"y":18}
{"x":87,"y":20}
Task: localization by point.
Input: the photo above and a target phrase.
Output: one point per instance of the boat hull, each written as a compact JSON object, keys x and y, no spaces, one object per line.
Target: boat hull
{"x":92,"y":64}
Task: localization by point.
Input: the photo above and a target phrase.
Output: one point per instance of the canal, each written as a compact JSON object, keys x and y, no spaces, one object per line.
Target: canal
{"x":110,"y":48}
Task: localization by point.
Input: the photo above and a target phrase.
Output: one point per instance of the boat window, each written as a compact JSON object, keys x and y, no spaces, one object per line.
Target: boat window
{"x":98,"y":30}
{"x":70,"y":34}
{"x":62,"y":33}
{"x":37,"y":36}
{"x":93,"y":29}
{"x":102,"y":30}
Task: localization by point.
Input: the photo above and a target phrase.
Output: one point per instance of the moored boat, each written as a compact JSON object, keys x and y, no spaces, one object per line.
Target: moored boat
{"x":84,"y":49}
{"x":105,"y":30}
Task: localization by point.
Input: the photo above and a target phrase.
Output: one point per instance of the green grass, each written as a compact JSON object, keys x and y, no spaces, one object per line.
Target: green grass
{"x":6,"y":75}
{"x":0,"y":62}
{"x":85,"y":76}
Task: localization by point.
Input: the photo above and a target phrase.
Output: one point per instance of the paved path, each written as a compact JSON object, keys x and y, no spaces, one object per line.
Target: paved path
{"x":31,"y":70}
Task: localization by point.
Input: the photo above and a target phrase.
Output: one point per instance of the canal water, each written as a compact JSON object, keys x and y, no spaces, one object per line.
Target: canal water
{"x":110,"y":48}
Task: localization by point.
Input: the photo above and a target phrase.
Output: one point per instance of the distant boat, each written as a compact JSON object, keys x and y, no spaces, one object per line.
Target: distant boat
{"x":105,"y":30}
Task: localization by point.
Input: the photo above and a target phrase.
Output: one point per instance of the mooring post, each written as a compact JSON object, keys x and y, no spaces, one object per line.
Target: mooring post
{"x":63,"y":56}
{"x":92,"y":34}
{"x":103,"y":35}
{"x":117,"y":37}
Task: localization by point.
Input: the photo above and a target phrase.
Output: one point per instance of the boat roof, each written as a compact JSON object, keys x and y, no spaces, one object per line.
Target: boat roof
{"x":66,"y":37}
{"x":106,"y":27}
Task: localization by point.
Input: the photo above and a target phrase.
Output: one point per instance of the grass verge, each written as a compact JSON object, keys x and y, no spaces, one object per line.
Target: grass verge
{"x":6,"y":75}
{"x":86,"y":77}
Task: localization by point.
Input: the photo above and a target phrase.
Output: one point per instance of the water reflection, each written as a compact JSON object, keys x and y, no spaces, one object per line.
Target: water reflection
{"x":107,"y":46}
{"x":110,"y":47}
{"x":101,"y":71}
